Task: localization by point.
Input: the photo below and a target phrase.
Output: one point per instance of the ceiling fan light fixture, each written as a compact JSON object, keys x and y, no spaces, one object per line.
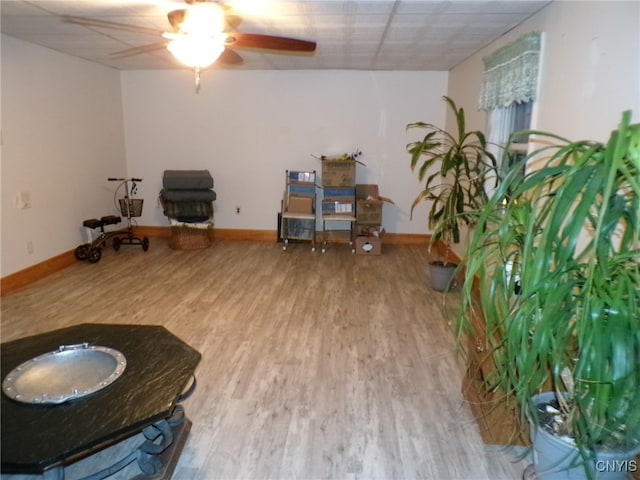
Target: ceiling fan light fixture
{"x":203,"y":18}
{"x":196,"y":52}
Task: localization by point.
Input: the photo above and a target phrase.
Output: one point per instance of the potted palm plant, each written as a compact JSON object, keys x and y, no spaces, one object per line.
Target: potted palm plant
{"x":555,"y":255}
{"x":453,"y":167}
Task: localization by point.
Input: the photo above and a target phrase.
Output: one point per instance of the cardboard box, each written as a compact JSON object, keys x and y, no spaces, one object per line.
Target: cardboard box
{"x":369,"y":204}
{"x":299,"y":229}
{"x":302,"y":189}
{"x":303,"y":177}
{"x":369,"y":212}
{"x":366,"y":190}
{"x":340,"y":194}
{"x":300,"y":204}
{"x":338,"y":173}
{"x":346,"y":209}
{"x":368,"y":230}
{"x":368,"y":245}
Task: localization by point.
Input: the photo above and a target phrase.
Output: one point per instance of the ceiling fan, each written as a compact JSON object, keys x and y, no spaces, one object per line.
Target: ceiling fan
{"x":202,"y":33}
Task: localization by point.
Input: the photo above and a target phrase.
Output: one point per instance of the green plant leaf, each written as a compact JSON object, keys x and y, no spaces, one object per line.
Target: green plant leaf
{"x":453,"y":168}
{"x":570,"y":230}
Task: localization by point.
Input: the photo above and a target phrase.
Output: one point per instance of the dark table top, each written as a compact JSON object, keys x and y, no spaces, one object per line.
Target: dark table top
{"x":37,"y":437}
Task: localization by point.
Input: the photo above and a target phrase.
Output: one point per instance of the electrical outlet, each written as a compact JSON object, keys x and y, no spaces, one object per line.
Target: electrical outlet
{"x":237,"y":210}
{"x":23,"y":200}
{"x":30,"y":247}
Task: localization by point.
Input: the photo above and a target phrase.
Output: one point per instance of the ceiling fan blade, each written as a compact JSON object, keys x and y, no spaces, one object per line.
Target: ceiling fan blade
{"x":269,"y":42}
{"x":229,"y":57}
{"x":153,"y":47}
{"x":97,"y":23}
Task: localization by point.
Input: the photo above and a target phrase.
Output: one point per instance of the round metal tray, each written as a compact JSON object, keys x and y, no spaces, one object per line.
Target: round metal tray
{"x":72,"y":371}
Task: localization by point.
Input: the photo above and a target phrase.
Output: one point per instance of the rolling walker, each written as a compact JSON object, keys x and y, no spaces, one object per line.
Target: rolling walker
{"x":129,"y":208}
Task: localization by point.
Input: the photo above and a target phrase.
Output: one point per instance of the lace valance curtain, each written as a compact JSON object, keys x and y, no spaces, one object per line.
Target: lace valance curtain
{"x":511,"y":73}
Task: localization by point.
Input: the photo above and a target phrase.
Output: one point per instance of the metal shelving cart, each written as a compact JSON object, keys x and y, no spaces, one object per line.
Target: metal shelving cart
{"x":339,"y":201}
{"x":298,"y":213}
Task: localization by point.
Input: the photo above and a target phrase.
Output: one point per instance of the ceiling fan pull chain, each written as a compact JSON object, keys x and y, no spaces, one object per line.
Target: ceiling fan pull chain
{"x":197,"y":77}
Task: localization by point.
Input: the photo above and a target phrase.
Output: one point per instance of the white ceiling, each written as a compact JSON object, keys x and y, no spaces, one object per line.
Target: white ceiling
{"x":363,"y":34}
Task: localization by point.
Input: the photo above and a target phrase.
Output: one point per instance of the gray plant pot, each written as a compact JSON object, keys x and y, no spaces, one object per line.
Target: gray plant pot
{"x":442,"y":278}
{"x":556,"y":458}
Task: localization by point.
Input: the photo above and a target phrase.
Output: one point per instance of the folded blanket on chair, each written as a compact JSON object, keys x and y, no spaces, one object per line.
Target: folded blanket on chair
{"x":189,"y":195}
{"x":187,"y":180}
{"x":193,"y":210}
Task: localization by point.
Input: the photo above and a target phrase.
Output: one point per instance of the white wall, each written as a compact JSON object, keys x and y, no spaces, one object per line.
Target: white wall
{"x":248,"y":127}
{"x":62,"y":130}
{"x":590,"y":70}
{"x":61,"y":138}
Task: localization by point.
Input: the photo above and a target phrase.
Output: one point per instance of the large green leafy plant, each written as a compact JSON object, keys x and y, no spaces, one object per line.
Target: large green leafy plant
{"x":556,"y":254}
{"x":453,"y":167}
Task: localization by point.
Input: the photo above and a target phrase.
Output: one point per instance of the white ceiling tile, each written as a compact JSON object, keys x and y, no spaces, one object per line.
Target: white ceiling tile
{"x":367,"y":34}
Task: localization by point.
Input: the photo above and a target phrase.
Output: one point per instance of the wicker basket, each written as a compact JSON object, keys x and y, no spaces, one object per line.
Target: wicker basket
{"x":131,"y":207}
{"x":186,"y":238}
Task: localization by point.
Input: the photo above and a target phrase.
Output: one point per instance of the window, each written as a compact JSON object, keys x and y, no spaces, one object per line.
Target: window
{"x":509,"y":87}
{"x":501,"y":123}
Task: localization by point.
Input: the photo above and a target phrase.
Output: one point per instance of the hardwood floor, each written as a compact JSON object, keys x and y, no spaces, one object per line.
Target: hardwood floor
{"x":314,"y":366}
